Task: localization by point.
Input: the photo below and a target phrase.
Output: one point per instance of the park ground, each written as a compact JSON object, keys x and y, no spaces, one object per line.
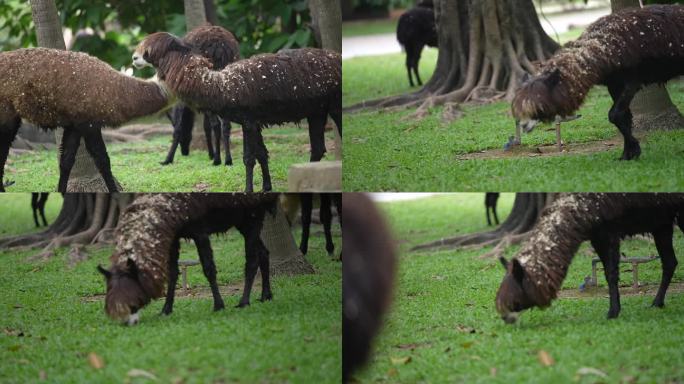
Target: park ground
{"x":392,"y":151}
{"x":53,"y":319}
{"x":443,"y":326}
{"x":136,"y":164}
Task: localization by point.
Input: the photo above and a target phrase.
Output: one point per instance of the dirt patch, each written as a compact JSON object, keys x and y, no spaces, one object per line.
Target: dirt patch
{"x":545,"y":150}
{"x":644,"y":289}
{"x":199,"y":292}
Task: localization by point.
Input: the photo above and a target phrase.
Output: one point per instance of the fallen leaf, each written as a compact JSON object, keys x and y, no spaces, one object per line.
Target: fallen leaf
{"x":95,"y":360}
{"x":464,"y":329}
{"x":492,"y":371}
{"x":467,"y":344}
{"x":308,"y":339}
{"x":141,"y":373}
{"x":18,"y":306}
{"x":544,"y":358}
{"x":42,"y":376}
{"x":400,"y":360}
{"x":14,"y":348}
{"x":591,"y":371}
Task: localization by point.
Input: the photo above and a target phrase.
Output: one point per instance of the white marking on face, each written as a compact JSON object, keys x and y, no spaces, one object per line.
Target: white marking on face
{"x":511,"y":317}
{"x":139,"y":62}
{"x":133,"y":319}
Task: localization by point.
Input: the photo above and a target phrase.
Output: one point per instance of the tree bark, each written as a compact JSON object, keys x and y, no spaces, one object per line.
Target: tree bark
{"x":327,"y":17}
{"x":651,"y":107}
{"x":210,"y":11}
{"x":527,"y":208}
{"x":485,"y":47}
{"x":285,"y":257}
{"x":195,"y":14}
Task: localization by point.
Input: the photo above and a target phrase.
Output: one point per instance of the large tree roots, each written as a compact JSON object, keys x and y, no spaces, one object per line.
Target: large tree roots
{"x":527,"y":208}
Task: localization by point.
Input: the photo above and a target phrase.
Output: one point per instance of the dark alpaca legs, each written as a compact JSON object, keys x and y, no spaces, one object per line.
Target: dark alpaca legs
{"x":307,"y":206}
{"x":70,"y":142}
{"x":7,"y":135}
{"x":412,"y":58}
{"x":182,"y":119}
{"x":317,"y":136}
{"x":173,"y":277}
{"x":253,"y":150}
{"x":326,"y":219}
{"x":266,"y":293}
{"x":38,"y":207}
{"x":491,"y":199}
{"x":212,"y":131}
{"x":254,"y":249}
{"x":621,"y":116}
{"x":663,"y":242}
{"x":206,"y":256}
{"x":607,"y":247}
{"x":225,"y":134}
{"x":98,"y":151}
{"x":325,"y":216}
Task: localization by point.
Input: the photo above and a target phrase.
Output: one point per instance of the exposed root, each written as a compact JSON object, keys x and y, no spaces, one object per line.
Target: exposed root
{"x":507,"y":241}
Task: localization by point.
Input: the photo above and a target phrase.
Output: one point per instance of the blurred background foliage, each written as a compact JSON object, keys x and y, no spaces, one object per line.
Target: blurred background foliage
{"x":110,"y":29}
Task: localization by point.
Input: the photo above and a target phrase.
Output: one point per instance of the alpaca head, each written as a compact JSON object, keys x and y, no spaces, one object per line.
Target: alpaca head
{"x":516,"y":292}
{"x":535,"y":100}
{"x":156,"y":46}
{"x":125,"y":293}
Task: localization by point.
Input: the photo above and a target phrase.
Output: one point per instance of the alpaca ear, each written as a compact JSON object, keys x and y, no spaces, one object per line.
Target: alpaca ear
{"x":503,"y":262}
{"x":178,"y":45}
{"x":132,"y":268}
{"x":525,"y":78}
{"x":552,"y":78}
{"x":103,"y":271}
{"x":517,"y":270}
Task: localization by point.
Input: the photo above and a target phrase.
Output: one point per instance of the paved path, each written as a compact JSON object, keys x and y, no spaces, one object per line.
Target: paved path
{"x":387,"y":43}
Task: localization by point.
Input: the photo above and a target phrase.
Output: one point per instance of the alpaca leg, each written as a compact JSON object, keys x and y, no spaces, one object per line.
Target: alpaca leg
{"x":172,"y":151}
{"x":206,"y":256}
{"x":225,"y":134}
{"x":663,"y":241}
{"x":496,"y":218}
{"x":98,"y":151}
{"x":607,"y":247}
{"x":70,"y":142}
{"x":41,"y":206}
{"x":409,"y":60}
{"x":173,"y":277}
{"x":326,"y":219}
{"x":175,"y":117}
{"x":262,"y":156}
{"x":489,"y":221}
{"x":251,"y":235}
{"x":337,"y":200}
{"x":213,"y":124}
{"x":187,"y":122}
{"x":317,"y":136}
{"x":7,"y":135}
{"x":416,"y":60}
{"x":34,"y":207}
{"x":248,"y":158}
{"x":621,"y":116}
{"x":307,"y":205}
{"x":337,"y":118}
{"x":264,"y":266}
{"x":207,"y":135}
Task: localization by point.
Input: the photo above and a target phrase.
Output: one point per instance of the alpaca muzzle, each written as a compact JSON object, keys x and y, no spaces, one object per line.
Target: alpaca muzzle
{"x":139,"y":62}
{"x":510,"y":317}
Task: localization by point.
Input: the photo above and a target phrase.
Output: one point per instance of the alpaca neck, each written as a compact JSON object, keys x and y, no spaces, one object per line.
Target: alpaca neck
{"x":183,"y":72}
{"x":142,"y":98}
{"x":547,"y":255}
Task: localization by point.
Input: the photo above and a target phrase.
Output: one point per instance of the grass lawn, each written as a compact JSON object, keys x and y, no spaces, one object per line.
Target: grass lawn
{"x":431,"y":155}
{"x":443,"y":326}
{"x":369,"y":27}
{"x":136,"y":165}
{"x":52,"y":319}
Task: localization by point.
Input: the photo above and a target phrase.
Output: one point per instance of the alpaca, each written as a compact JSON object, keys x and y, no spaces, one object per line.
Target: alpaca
{"x":534,"y":277}
{"x":416,"y":29}
{"x":326,"y":218}
{"x":490,"y":204}
{"x":257,"y":92}
{"x":624,"y":51}
{"x":38,"y":207}
{"x":53,"y":88}
{"x":368,"y":270}
{"x":220,"y":47}
{"x":147,"y":247}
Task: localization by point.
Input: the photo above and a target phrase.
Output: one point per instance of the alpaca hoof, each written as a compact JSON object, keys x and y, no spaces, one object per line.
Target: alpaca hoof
{"x":166,"y":311}
{"x":165,"y":162}
{"x":229,"y":162}
{"x":658,"y":304}
{"x":268,"y":188}
{"x":218,"y":307}
{"x":303,"y":250}
{"x":217,"y":162}
{"x":613,"y":314}
{"x":242,"y":305}
{"x":266,"y":297}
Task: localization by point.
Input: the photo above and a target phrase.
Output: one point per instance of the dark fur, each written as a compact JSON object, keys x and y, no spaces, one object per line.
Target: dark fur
{"x":490,"y":205}
{"x":257,"y":92}
{"x":535,"y":276}
{"x":368,"y":278}
{"x":220,"y":46}
{"x":624,"y":51}
{"x":148,"y":241}
{"x":416,"y":29}
{"x":327,"y":199}
{"x":52,"y":88}
{"x":38,"y":201}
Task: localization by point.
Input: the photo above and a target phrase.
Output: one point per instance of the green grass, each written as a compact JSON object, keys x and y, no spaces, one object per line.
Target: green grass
{"x":440,"y":294}
{"x":136,"y":165}
{"x":295,"y":338}
{"x":423,"y":155}
{"x":369,"y":27}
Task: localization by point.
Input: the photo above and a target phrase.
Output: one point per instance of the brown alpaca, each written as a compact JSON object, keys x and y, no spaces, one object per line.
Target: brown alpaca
{"x":534,"y":277}
{"x":257,"y":92}
{"x":624,"y":51}
{"x":52,"y":88}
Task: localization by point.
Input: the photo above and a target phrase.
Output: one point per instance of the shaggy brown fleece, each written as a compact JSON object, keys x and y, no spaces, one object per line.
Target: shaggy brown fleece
{"x":51,"y":88}
{"x":649,"y":40}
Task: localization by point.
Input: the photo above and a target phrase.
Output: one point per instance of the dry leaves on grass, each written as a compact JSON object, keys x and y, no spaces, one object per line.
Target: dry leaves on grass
{"x":585,"y":371}
{"x":141,"y":373}
{"x":400,"y":360}
{"x":95,"y":360}
{"x":544,"y":358}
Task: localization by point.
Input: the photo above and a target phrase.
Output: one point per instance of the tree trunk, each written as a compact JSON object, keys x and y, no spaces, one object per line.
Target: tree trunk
{"x":527,"y":208}
{"x":485,"y":47}
{"x":651,"y":107}
{"x":195,"y":15}
{"x":285,"y":257}
{"x":210,"y":11}
{"x":85,"y":218}
{"x":327,"y":18}
{"x":84,"y":176}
